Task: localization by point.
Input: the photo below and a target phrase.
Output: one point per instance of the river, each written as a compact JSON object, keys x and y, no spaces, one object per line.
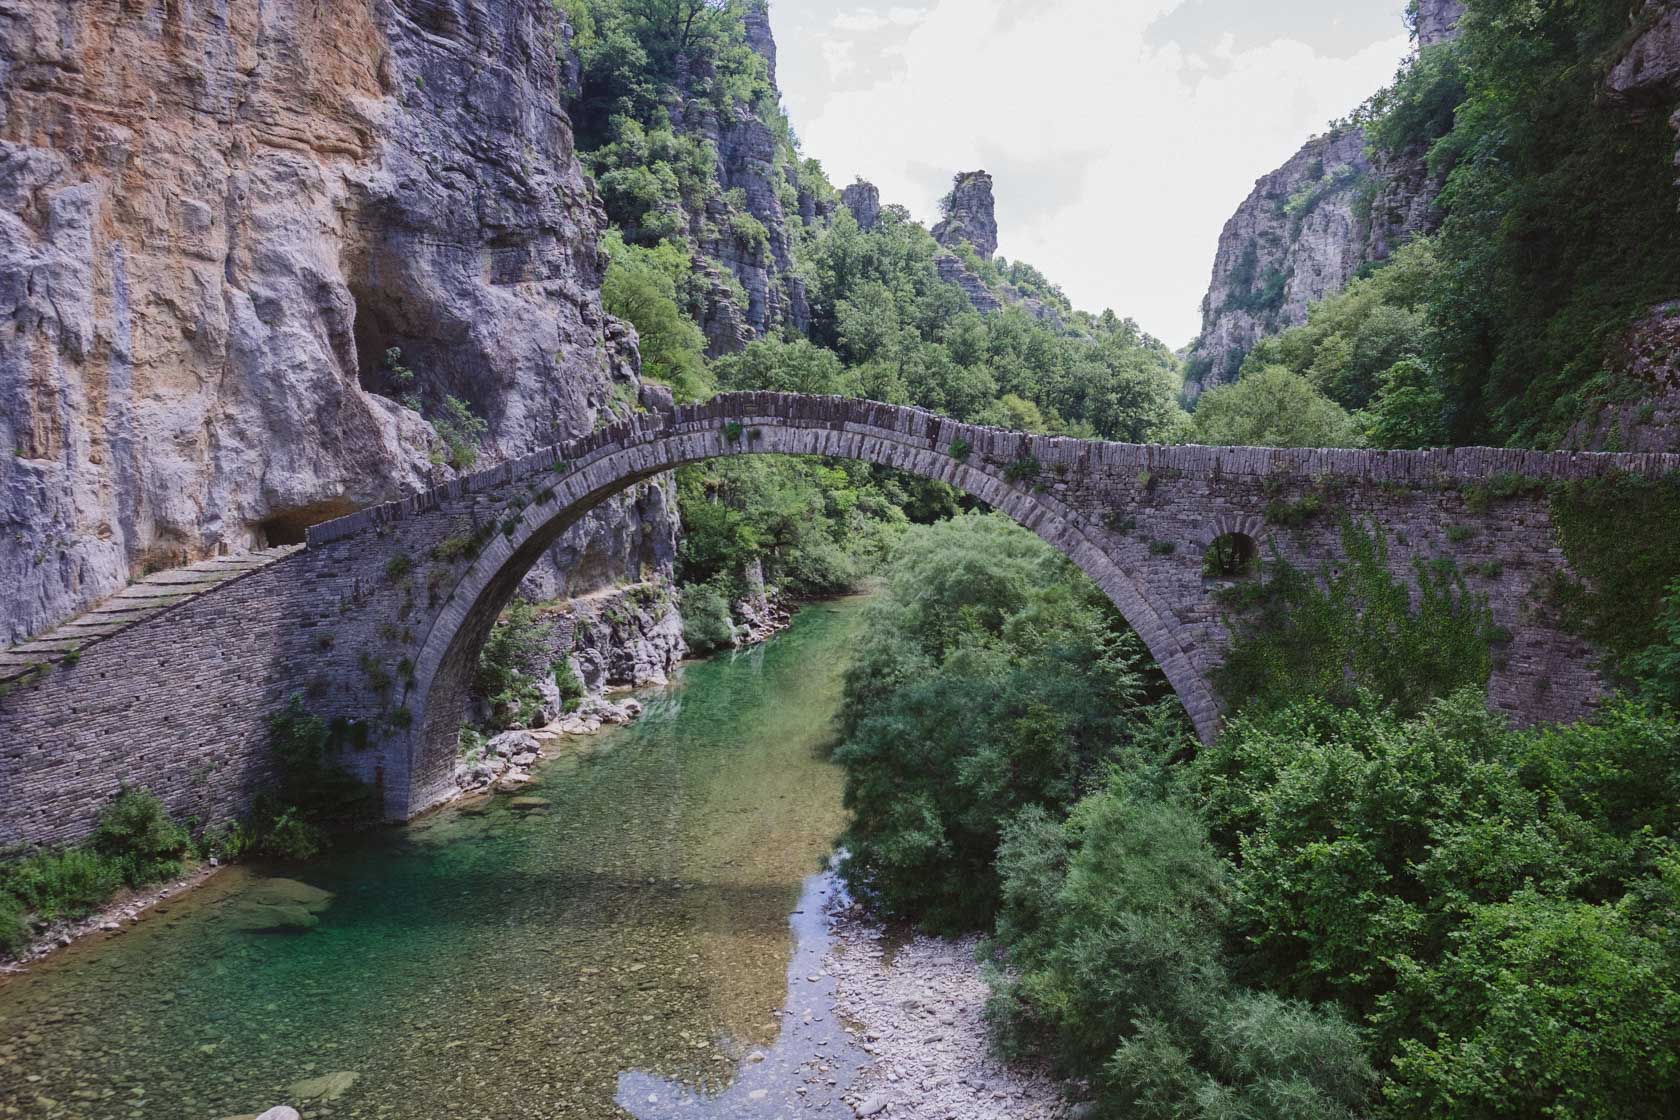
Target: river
{"x":614,"y":941}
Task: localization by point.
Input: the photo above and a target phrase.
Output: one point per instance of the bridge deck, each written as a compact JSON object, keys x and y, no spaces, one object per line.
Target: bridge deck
{"x":132,"y":605}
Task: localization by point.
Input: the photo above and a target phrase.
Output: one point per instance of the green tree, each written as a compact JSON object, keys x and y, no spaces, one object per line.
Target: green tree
{"x":1272,"y":407}
{"x":641,"y":287}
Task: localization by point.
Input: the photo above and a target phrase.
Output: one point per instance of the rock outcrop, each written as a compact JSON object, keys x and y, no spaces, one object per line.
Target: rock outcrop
{"x":863,"y":199}
{"x":1308,"y":227}
{"x":1437,"y":21}
{"x":625,"y":636}
{"x":969,"y":215}
{"x":1297,"y":238}
{"x":216,"y":219}
{"x":1642,"y":412}
{"x":746,"y":229}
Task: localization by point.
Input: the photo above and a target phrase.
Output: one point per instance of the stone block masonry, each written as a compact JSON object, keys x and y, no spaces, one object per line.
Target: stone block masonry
{"x":381,"y":617}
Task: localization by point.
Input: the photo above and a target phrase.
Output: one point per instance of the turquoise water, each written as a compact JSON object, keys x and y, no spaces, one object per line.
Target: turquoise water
{"x":495,"y":959}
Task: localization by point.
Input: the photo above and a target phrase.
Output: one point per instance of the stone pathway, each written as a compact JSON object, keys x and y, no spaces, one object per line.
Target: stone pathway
{"x":134,"y":603}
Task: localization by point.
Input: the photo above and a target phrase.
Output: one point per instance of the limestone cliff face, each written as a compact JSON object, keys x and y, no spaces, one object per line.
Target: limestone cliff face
{"x":216,"y":220}
{"x":1437,"y":20}
{"x":970,"y":215}
{"x":1309,"y":226}
{"x":758,"y":181}
{"x":1297,"y":238}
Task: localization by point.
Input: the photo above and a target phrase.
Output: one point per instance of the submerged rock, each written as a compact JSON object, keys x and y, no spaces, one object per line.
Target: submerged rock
{"x":327,"y":1087}
{"x":279,"y":906}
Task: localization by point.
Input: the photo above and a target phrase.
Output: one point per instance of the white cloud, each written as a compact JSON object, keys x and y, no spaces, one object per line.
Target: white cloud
{"x":1118,"y":152}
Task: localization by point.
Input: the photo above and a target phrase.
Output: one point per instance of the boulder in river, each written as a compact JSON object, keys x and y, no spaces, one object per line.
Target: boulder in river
{"x":327,"y":1087}
{"x":278,"y":906}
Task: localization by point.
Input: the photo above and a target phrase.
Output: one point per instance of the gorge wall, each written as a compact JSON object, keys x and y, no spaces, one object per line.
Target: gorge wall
{"x":758,"y":178}
{"x":216,"y":219}
{"x":1307,"y":228}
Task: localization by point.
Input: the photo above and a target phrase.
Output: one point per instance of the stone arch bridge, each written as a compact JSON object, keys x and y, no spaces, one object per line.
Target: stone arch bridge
{"x":381,"y":616}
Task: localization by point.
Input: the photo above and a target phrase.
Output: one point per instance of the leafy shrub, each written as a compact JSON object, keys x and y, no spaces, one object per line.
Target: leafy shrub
{"x":1024,"y":469}
{"x":571,"y":687}
{"x":991,"y":677}
{"x":707,"y":623}
{"x":461,"y":431}
{"x":314,"y":794}
{"x":1497,"y":905}
{"x":516,"y":650}
{"x":1542,"y":1006}
{"x":72,"y":883}
{"x":138,"y":833}
{"x":750,"y":234}
{"x":290,"y":835}
{"x":14,"y":926}
{"x":1272,"y":407}
{"x":642,"y":287}
{"x":135,"y":843}
{"x":1109,"y":938}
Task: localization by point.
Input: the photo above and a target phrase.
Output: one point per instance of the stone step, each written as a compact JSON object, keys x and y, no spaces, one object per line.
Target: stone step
{"x":182,"y":577}
{"x":90,"y":626}
{"x":48,"y":645}
{"x":142,"y":591}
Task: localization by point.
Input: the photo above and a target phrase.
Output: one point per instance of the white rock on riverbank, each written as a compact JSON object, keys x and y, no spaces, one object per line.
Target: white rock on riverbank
{"x":506,"y":760}
{"x":921,"y":1021}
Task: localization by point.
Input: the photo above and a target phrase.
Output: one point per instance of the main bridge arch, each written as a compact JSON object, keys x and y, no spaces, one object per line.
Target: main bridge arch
{"x":514,"y":514}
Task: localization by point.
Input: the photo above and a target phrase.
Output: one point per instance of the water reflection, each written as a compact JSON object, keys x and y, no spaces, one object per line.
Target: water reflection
{"x":813,"y":1062}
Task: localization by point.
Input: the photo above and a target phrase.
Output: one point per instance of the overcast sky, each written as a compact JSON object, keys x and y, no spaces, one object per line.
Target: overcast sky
{"x":1121,"y":133}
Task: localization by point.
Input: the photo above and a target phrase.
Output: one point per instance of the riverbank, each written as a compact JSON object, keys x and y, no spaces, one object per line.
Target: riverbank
{"x":918,"y":1008}
{"x":127,"y":908}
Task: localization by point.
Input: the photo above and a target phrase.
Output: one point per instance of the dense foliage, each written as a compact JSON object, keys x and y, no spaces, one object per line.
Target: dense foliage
{"x":1499,"y":907}
{"x":1370,"y":897}
{"x":1365,"y":350}
{"x":1111,"y":928}
{"x":1273,"y":407}
{"x":992,"y":677}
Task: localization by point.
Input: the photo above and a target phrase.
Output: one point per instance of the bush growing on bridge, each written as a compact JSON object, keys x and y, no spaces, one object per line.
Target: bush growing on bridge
{"x":1296,"y":637}
{"x":313,"y":795}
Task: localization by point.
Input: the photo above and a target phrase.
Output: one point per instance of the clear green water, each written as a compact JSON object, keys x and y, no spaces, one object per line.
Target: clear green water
{"x":488,"y":961}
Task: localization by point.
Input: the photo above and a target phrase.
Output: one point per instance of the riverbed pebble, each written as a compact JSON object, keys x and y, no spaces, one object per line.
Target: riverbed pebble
{"x":919,"y":1015}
